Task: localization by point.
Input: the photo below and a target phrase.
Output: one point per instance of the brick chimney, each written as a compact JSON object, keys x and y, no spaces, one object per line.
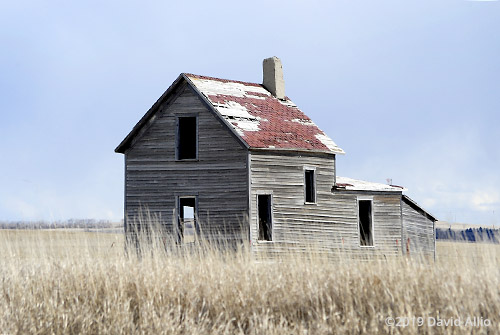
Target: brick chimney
{"x":273,"y":77}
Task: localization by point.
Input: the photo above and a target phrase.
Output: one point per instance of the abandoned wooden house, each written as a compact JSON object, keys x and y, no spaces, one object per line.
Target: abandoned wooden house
{"x":240,"y":161}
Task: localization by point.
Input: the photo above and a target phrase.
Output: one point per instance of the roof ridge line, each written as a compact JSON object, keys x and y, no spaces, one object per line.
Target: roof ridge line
{"x":223,"y":80}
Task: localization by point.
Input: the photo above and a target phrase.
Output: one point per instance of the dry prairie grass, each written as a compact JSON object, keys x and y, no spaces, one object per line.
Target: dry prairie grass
{"x":67,"y":283}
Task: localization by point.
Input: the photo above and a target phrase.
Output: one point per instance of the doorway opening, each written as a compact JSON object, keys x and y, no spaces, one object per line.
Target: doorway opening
{"x":187,"y":219}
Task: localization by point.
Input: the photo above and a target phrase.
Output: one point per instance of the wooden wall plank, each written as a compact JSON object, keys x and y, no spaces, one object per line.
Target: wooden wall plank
{"x":419,"y":230}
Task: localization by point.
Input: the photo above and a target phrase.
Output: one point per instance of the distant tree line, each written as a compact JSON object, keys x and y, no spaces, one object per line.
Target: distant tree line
{"x":469,"y":235}
{"x":71,"y":223}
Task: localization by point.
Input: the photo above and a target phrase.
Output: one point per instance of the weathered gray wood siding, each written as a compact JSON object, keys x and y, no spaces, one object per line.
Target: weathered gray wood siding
{"x":218,"y":178}
{"x":419,"y":230}
{"x":386,"y":218}
{"x":330,"y":223}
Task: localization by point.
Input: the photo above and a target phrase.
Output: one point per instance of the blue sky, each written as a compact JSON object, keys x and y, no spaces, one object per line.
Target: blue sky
{"x":409,"y":89}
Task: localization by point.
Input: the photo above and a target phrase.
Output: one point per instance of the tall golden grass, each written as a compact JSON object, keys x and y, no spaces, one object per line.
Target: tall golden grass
{"x":69,"y":283}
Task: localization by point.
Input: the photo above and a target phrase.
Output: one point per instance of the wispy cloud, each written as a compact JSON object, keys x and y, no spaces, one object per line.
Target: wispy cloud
{"x":451,"y":185}
{"x":486,"y":200}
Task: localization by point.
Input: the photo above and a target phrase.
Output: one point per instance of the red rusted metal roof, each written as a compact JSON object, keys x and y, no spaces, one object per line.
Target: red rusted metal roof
{"x":260,"y":119}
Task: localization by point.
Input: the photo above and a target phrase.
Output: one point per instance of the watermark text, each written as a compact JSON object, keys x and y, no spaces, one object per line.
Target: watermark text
{"x":432,"y":321}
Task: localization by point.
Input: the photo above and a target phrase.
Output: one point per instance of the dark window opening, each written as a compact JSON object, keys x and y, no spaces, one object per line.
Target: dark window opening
{"x":310,"y":186}
{"x":365,"y":223}
{"x":186,"y":138}
{"x":265,"y":217}
{"x":187,"y":219}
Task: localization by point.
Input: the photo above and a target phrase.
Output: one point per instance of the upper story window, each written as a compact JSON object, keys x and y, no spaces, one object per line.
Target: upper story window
{"x":187,"y":138}
{"x":310,"y":186}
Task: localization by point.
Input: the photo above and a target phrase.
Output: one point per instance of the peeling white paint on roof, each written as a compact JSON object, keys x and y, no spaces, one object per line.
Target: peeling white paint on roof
{"x":235,"y":110}
{"x":304,"y":122}
{"x":288,"y":103}
{"x":361,"y":185}
{"x":214,"y":87}
{"x":329,"y":143}
{"x":247,"y":125}
{"x":237,"y":114}
{"x":250,"y":95}
{"x":238,"y":130}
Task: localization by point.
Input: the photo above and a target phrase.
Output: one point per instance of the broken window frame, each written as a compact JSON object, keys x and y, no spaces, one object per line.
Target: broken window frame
{"x":271,"y":217}
{"x":179,"y":228}
{"x":314,"y":193}
{"x":178,"y":137}
{"x":372,"y":222}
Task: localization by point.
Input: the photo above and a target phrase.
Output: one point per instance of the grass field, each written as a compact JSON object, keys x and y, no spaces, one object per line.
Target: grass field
{"x":64,"y":282}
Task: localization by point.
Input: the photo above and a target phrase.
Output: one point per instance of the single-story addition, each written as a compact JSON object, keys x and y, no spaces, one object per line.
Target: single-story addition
{"x":238,"y":161}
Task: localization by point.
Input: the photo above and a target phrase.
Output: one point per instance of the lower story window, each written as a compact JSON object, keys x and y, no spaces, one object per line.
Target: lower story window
{"x":264,"y":207}
{"x":365,"y":222}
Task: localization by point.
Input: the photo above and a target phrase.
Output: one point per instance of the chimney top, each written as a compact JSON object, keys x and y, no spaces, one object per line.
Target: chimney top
{"x":273,"y":77}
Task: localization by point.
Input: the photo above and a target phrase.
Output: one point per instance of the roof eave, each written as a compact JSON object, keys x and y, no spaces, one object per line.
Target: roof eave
{"x":354,"y":189}
{"x":365,"y":192}
{"x":328,"y":152}
{"x":413,"y":204}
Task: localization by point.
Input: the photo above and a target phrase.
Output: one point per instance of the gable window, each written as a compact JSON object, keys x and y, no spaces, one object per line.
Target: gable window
{"x":187,"y":138}
{"x":264,"y":208}
{"x":187,"y":224}
{"x":310,"y":186}
{"x":365,"y":222}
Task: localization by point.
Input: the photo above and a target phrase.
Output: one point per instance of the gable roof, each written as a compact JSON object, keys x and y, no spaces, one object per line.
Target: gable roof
{"x":252,"y":113}
{"x":261,"y":120}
